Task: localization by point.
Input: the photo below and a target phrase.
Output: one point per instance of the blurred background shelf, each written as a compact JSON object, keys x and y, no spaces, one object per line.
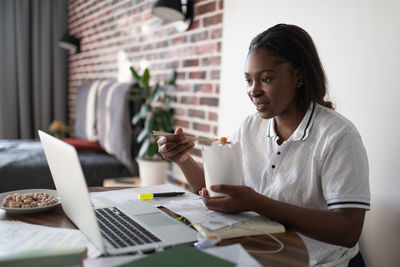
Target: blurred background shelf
{"x":122,"y":181}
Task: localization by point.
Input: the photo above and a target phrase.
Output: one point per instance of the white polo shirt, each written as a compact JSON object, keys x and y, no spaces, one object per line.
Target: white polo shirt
{"x":323,"y":165}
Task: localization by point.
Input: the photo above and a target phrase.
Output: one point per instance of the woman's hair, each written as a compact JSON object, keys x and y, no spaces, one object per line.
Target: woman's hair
{"x":293,"y":44}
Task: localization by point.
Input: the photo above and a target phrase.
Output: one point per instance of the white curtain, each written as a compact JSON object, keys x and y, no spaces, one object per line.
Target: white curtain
{"x":33,"y":69}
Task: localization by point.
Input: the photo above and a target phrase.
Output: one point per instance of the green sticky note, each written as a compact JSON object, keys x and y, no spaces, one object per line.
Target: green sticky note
{"x":180,"y":256}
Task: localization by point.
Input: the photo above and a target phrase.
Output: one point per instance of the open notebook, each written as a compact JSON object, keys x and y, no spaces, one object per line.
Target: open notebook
{"x":258,"y":225}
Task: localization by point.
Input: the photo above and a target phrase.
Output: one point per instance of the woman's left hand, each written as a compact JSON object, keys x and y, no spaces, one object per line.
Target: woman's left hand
{"x":237,"y":198}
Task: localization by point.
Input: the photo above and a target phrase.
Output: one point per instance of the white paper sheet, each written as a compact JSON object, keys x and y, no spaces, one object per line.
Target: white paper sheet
{"x":195,"y":211}
{"x":124,"y":196}
{"x":234,"y":253}
{"x":18,"y":236}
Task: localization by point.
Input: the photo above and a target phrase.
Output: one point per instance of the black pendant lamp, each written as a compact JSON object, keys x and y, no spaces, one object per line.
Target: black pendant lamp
{"x":169,"y":10}
{"x":175,"y":10}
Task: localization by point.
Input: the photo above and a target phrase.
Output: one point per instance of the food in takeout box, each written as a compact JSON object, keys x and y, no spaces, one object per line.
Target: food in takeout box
{"x":223,"y":141}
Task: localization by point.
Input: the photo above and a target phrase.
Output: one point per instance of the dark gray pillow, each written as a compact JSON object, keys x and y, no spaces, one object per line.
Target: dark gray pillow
{"x":113,"y":121}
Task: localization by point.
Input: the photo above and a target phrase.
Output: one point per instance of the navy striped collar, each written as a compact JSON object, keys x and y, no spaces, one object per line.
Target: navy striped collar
{"x":302,"y":130}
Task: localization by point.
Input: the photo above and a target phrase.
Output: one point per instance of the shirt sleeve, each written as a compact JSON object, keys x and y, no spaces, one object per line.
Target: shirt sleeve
{"x":345,"y":173}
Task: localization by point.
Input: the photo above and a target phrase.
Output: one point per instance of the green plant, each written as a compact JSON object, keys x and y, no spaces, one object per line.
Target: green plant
{"x":155,"y":112}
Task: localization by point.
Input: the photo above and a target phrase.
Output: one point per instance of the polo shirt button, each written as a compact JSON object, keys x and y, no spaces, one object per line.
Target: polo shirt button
{"x":278,"y":153}
{"x":273,"y":166}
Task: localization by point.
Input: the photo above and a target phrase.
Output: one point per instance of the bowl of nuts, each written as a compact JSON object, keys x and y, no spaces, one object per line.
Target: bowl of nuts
{"x":29,"y":200}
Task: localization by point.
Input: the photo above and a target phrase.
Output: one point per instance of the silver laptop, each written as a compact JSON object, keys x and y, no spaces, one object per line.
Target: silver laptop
{"x":135,"y":227}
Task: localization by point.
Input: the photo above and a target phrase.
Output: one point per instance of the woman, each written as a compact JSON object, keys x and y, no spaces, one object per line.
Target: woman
{"x":304,"y":164}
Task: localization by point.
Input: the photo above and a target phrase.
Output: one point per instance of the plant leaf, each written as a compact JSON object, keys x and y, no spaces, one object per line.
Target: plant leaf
{"x":152,"y":150}
{"x":136,"y":118}
{"x":141,"y":136}
{"x":135,"y":90}
{"x":155,"y":93}
{"x":171,"y":78}
{"x":143,"y":110}
{"x":144,"y":147}
{"x":167,"y":100}
{"x":150,"y":124}
{"x":146,"y":77}
{"x":140,"y":115}
{"x":135,"y":74}
{"x":136,"y":98}
{"x":167,"y":121}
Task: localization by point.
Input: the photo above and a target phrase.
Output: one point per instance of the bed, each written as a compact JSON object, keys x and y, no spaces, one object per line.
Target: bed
{"x":103,"y":113}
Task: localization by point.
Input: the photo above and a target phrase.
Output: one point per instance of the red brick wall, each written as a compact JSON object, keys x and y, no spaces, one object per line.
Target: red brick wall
{"x":110,"y":26}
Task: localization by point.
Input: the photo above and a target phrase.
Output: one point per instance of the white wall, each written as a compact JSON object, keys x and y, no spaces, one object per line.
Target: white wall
{"x":359,"y":45}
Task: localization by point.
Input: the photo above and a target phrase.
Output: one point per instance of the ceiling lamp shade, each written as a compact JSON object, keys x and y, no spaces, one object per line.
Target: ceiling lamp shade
{"x":175,"y":10}
{"x":70,"y":43}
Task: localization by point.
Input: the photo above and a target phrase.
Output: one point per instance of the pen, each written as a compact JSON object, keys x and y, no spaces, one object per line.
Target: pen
{"x":166,"y":194}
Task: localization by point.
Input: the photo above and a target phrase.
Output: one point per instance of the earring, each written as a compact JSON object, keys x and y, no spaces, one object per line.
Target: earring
{"x":299,"y":84}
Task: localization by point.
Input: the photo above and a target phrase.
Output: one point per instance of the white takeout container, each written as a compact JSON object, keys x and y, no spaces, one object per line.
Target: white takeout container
{"x":222,"y":165}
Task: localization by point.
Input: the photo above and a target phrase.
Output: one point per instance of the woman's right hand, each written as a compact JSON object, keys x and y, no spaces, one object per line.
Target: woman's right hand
{"x":175,"y":147}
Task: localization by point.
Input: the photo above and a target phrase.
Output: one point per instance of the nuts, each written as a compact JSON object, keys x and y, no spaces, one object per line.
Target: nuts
{"x":29,"y":200}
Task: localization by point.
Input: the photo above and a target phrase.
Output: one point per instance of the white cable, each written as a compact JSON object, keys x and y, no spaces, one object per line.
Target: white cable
{"x":281,"y":245}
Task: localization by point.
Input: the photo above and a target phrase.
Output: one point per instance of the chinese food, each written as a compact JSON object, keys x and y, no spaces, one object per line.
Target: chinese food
{"x":224,"y":141}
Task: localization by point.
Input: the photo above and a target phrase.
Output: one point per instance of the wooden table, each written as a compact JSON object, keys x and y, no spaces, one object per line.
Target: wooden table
{"x":294,"y":253}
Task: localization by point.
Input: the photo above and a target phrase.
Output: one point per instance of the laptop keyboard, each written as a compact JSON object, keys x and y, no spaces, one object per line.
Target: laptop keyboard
{"x":120,"y":230}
